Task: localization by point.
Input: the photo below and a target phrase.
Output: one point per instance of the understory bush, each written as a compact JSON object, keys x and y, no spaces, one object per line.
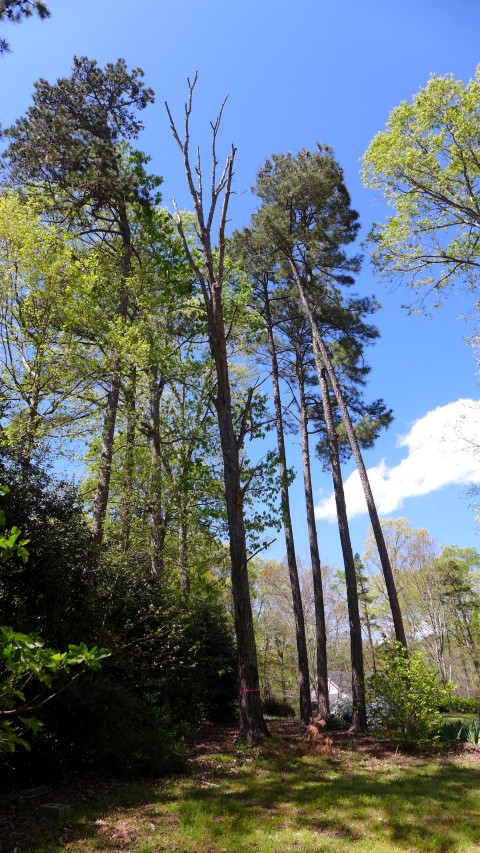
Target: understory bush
{"x":341,"y":714}
{"x":173,"y":657}
{"x":411,"y":693}
{"x":274,"y":707}
{"x":458,"y":731}
{"x":460,"y":705}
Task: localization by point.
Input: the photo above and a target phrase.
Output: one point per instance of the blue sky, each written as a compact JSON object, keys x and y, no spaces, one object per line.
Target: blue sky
{"x":296,"y":74}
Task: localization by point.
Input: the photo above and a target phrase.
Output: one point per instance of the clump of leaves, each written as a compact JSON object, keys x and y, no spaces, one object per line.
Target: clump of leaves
{"x":26,"y":661}
{"x":27,"y":667}
{"x":410,"y":692}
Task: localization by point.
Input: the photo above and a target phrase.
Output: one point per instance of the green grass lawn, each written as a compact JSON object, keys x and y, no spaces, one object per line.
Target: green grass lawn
{"x":276,"y":799}
{"x":465,"y":718}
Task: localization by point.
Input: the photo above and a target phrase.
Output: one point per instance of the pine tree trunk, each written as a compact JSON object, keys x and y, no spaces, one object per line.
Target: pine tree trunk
{"x":359,"y":721}
{"x":320,"y":626}
{"x":301,"y":642}
{"x":372,"y":509}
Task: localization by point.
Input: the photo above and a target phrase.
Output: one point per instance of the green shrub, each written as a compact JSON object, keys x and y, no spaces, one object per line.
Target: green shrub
{"x":457,"y":731}
{"x":411,"y":693}
{"x":459,"y":705}
{"x":274,"y":707}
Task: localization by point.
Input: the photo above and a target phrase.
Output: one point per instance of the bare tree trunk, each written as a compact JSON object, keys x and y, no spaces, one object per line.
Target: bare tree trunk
{"x":104,"y":471}
{"x":111,"y":409}
{"x":368,"y":624}
{"x":320,"y":626}
{"x":182,"y":513}
{"x":182,"y":551}
{"x":302,"y":654}
{"x":157,"y":523}
{"x":210,"y":273}
{"x":359,"y":722}
{"x":129,"y":468}
{"x":372,"y":509}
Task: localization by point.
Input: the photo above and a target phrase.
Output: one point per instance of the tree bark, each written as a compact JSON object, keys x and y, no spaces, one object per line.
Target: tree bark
{"x":359,"y":721}
{"x":210,"y":276}
{"x":252,"y":724}
{"x":104,"y":472}
{"x":301,"y":642}
{"x":320,"y":626}
{"x":157,"y":523}
{"x":111,"y":409}
{"x":372,"y":509}
{"x":129,"y":467}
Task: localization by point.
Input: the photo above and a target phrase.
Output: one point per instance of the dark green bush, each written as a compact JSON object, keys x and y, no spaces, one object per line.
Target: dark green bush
{"x":456,"y":731}
{"x":460,"y":705}
{"x":274,"y":707}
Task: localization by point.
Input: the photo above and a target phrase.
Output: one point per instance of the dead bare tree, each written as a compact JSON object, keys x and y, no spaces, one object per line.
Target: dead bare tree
{"x":208,"y":265}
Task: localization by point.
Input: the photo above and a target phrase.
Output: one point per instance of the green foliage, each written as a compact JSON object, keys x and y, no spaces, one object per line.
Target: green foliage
{"x":458,"y":731}
{"x":15,"y":10}
{"x":46,"y":595}
{"x":426,"y":163}
{"x":68,"y":142}
{"x":409,"y":693}
{"x":26,"y":661}
{"x":459,"y":705}
{"x":111,"y":725}
{"x":274,"y":707}
{"x":28,"y":668}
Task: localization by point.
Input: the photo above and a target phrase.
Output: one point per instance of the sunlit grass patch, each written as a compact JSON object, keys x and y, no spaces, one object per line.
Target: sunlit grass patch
{"x":279,"y":800}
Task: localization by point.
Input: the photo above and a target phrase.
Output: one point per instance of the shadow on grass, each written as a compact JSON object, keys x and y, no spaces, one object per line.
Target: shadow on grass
{"x":424,"y":806}
{"x":311,"y":803}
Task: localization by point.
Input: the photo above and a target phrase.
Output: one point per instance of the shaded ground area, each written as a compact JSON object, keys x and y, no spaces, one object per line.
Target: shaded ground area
{"x":294,"y":793}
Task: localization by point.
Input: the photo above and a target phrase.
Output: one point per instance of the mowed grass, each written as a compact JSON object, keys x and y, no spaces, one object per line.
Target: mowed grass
{"x":280,"y":798}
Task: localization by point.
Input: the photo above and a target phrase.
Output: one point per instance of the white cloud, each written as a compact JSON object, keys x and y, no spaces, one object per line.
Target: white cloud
{"x":443,"y":449}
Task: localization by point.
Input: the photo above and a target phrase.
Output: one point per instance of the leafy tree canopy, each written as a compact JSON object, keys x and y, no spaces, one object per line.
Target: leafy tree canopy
{"x":69,"y":142}
{"x":427,"y":163}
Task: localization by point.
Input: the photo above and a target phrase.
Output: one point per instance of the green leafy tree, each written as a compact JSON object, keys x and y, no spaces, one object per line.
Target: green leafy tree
{"x":409,"y":693}
{"x":70,"y":151}
{"x":427,"y":165}
{"x":44,"y":373}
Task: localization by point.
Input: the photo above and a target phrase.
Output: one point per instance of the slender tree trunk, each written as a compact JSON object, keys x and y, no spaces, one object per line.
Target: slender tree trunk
{"x":210,"y":273}
{"x":368,"y":624}
{"x":359,"y":722}
{"x":104,"y":471}
{"x":157,"y":523}
{"x":183,"y":511}
{"x":302,"y":654}
{"x":111,"y":409}
{"x":252,"y":724}
{"x":320,"y":626}
{"x":182,"y":551}
{"x":372,"y":509}
{"x":129,"y":467}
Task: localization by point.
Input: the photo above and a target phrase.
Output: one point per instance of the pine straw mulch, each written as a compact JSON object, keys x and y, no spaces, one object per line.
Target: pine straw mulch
{"x":292,"y":736}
